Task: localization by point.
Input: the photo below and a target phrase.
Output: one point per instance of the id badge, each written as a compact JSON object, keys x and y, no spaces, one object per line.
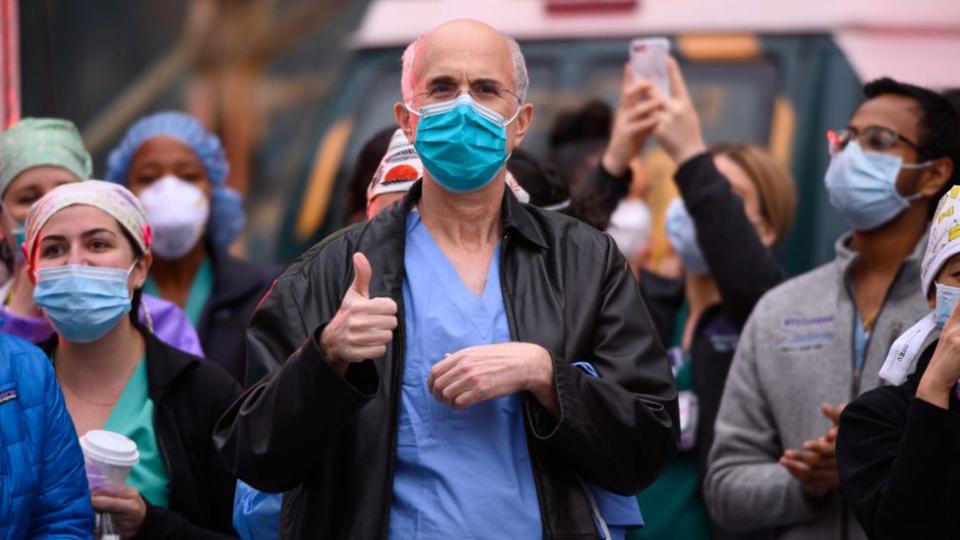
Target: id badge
{"x":689,"y":415}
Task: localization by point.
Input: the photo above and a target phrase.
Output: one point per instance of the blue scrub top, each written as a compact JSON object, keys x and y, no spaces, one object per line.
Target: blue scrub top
{"x":459,"y":474}
{"x":464,"y":474}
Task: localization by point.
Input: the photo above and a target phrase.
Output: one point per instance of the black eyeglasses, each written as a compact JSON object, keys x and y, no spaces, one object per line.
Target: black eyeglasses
{"x":872,"y":138}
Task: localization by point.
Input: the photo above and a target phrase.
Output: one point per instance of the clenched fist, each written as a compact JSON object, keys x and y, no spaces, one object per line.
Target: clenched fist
{"x":363,"y":326}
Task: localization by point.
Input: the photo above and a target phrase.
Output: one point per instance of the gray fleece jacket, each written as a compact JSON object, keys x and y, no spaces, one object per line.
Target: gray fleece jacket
{"x":796,"y":352}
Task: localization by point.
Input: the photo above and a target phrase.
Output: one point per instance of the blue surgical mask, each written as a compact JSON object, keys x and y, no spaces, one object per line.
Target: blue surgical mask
{"x":83,"y":302}
{"x":462,"y":144}
{"x":946,"y":299}
{"x":863,"y":186}
{"x":682,"y":235}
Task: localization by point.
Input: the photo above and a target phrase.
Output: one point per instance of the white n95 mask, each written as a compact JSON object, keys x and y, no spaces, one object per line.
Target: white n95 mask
{"x":177,"y":212}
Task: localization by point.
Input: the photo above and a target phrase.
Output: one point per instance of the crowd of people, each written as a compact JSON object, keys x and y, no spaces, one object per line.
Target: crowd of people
{"x":487,"y":349}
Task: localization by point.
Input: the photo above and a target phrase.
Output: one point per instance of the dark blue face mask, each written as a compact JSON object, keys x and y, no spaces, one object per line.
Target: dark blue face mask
{"x":83,"y":302}
{"x":462,"y":144}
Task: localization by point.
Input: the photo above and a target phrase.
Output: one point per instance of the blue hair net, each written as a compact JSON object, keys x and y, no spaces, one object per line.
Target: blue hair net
{"x":227,"y":217}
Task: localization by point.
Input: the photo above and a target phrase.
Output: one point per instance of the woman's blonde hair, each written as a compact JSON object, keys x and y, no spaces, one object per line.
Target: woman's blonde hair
{"x":775,"y":189}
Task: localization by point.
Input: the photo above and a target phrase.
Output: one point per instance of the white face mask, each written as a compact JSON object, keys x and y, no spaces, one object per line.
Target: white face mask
{"x":177,"y":212}
{"x":630,"y":226}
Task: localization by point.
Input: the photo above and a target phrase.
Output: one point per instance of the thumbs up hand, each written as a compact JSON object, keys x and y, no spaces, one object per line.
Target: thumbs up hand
{"x":363,"y":326}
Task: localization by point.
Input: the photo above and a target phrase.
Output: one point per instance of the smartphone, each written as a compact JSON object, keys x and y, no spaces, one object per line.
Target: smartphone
{"x":648,"y":58}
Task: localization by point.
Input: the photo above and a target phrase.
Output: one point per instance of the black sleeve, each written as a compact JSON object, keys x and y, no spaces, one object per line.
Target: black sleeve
{"x":595,"y":200}
{"x":618,"y":430}
{"x":164,"y":523}
{"x":895,"y":454}
{"x":742,"y":266}
{"x":664,"y":297}
{"x":261,"y":437}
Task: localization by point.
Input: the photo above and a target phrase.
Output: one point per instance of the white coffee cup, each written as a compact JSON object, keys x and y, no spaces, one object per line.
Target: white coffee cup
{"x":108,"y":457}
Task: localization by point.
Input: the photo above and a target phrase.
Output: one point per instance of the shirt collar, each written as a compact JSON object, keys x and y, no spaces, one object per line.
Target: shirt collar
{"x":517,"y":218}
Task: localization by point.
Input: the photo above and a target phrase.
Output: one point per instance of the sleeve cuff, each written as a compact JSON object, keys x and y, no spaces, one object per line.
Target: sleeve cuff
{"x":543,"y":425}
{"x":626,"y":177}
{"x":361,"y":377}
{"x":152,"y":521}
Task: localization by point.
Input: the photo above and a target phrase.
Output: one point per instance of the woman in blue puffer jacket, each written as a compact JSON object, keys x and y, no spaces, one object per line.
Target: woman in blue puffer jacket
{"x":43,"y":485}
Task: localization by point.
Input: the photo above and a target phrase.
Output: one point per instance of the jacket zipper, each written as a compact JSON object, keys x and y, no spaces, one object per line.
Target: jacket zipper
{"x":395,"y":381}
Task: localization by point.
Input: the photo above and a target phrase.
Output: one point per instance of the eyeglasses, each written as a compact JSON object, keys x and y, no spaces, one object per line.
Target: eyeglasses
{"x":487,"y":92}
{"x":872,"y":138}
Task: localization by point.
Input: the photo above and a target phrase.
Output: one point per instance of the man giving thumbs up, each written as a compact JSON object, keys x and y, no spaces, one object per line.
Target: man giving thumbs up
{"x":460,"y":366}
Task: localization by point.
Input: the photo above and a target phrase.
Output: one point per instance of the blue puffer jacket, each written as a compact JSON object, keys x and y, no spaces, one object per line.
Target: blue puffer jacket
{"x":43,"y":485}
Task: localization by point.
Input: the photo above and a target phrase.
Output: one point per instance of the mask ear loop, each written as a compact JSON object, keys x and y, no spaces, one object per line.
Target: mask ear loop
{"x":411,"y":110}
{"x":914,"y":167}
{"x":515,"y":115}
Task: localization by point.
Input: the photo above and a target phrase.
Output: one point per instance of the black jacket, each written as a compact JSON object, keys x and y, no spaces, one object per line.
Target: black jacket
{"x":238,"y":286}
{"x":332,"y":441}
{"x":189,"y":395}
{"x":897,"y":456}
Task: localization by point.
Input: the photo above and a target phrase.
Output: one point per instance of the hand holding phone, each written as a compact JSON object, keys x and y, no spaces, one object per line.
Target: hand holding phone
{"x":648,"y":59}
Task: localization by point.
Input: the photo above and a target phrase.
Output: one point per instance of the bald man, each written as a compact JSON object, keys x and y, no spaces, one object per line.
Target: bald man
{"x":461,"y":365}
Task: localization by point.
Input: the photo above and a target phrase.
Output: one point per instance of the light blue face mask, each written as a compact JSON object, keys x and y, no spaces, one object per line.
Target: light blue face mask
{"x":83,"y":302}
{"x":946,"y":300}
{"x":462,"y":144}
{"x":682,"y":235}
{"x":863,"y":186}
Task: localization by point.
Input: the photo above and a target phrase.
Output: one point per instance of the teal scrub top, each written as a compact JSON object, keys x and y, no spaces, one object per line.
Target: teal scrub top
{"x":673,"y":506}
{"x":133,"y":416}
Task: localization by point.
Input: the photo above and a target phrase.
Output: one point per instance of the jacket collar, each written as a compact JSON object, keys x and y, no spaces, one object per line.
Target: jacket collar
{"x":517,"y":217}
{"x":164,"y":363}
{"x":383,"y":239}
{"x":845,"y":255}
{"x":232,"y":278}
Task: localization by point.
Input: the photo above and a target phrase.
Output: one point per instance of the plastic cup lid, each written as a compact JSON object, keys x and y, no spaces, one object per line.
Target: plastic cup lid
{"x":110,"y":448}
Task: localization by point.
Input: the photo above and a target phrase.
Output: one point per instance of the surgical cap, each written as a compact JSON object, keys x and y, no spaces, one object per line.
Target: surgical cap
{"x":111,"y":198}
{"x":399,"y":169}
{"x":177,"y":125}
{"x":227,"y":217}
{"x":944,"y":239}
{"x":39,"y":142}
